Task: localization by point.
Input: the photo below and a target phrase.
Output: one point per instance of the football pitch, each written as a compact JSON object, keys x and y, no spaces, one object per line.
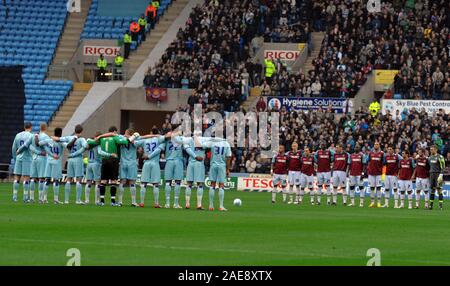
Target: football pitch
{"x":257,"y":233}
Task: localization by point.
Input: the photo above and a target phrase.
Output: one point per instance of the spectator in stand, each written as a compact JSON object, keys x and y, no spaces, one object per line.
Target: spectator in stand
{"x":142,"y":21}
{"x":134,"y":30}
{"x":251,"y":164}
{"x":261,"y":104}
{"x":150,"y":13}
{"x":265,"y":89}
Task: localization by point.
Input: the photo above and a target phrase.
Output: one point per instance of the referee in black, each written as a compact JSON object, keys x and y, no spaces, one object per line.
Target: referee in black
{"x":437,"y":166}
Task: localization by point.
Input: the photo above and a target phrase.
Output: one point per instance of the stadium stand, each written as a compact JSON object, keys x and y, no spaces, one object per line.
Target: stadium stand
{"x":406,"y":131}
{"x":109,"y":27}
{"x":215,"y":65}
{"x":352,"y":48}
{"x":410,"y":36}
{"x":28,"y":37}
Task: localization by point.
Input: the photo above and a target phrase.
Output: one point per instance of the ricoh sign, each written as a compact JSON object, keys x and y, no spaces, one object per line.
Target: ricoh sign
{"x":96,"y":51}
{"x":281,"y":55}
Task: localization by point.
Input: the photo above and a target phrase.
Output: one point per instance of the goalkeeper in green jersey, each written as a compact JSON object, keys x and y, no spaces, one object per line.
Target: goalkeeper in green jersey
{"x":128,"y":161}
{"x":110,"y":164}
{"x":437,"y":165}
{"x":94,"y":166}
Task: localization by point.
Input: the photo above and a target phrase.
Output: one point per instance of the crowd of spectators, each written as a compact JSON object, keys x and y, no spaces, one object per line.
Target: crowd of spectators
{"x":407,"y":130}
{"x":213,"y":56}
{"x":213,"y":53}
{"x":407,"y":35}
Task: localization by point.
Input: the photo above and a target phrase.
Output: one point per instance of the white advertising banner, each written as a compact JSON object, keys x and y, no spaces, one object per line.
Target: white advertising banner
{"x":430,"y":106}
{"x":89,"y":50}
{"x":281,"y":55}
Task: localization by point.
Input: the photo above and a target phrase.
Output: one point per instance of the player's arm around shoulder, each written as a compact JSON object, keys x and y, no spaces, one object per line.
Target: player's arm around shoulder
{"x":14,"y":148}
{"x":91,"y":143}
{"x":103,"y":153}
{"x":105,"y":135}
{"x":139,"y":142}
{"x":121,"y":140}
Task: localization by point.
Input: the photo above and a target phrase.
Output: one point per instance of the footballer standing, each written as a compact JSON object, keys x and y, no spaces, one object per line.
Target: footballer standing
{"x":340,"y":166}
{"x":422,"y":174}
{"x":391,"y":161}
{"x":405,"y":173}
{"x":374,"y":170}
{"x":279,"y":171}
{"x":294,"y":165}
{"x":323,"y":159}
{"x":437,"y":166}
{"x":356,"y":161}
{"x":307,"y":176}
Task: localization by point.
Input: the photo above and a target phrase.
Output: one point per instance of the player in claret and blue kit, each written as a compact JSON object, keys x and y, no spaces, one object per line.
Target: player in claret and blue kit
{"x":307,"y":176}
{"x":323,"y":159}
{"x":356,"y":163}
{"x":405,"y":173}
{"x":422,"y":174}
{"x":391,"y":162}
{"x":279,"y":171}
{"x":340,"y":166}
{"x":374,"y":170}
{"x":294,"y":166}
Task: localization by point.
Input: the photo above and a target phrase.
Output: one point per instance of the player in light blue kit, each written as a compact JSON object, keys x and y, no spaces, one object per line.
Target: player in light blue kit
{"x":195,"y":170}
{"x":53,"y":167}
{"x":153,"y":145}
{"x":76,"y":146}
{"x":22,"y":162}
{"x":93,"y":169}
{"x":173,"y":171}
{"x":219,"y":168}
{"x":38,"y":163}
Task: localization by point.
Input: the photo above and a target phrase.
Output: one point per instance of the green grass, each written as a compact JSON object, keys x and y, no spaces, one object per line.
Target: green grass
{"x":258,"y":233}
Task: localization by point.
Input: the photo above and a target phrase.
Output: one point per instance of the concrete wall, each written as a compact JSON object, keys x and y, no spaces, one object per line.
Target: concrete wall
{"x":79,"y":61}
{"x":109,"y":112}
{"x":298,"y":64}
{"x":121,"y":8}
{"x":366,"y":93}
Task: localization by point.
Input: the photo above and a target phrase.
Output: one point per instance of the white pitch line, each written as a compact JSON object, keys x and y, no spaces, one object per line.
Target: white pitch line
{"x":218,"y":250}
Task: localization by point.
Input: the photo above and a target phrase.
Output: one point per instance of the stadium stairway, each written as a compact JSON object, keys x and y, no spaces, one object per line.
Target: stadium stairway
{"x":140,"y":54}
{"x":69,"y":40}
{"x":316,"y":39}
{"x":69,"y":106}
